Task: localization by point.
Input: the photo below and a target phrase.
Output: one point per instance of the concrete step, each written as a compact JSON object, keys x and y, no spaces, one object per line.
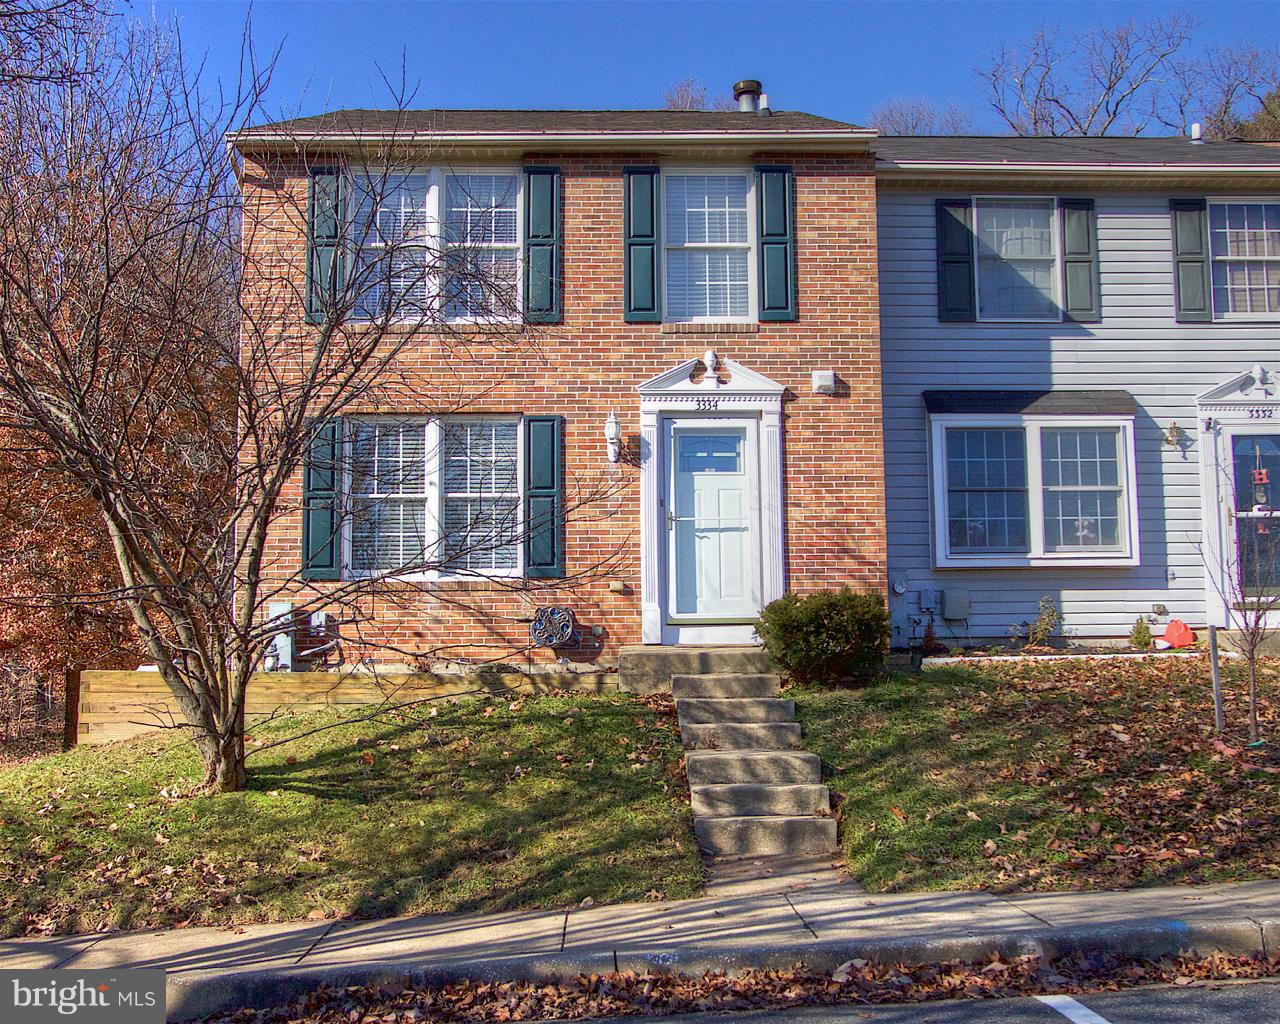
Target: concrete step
{"x":753,"y":800}
{"x":698,"y":710}
{"x":648,"y":669}
{"x":741,"y":736}
{"x":725,"y":685}
{"x":777,"y":767}
{"x":765,"y":836}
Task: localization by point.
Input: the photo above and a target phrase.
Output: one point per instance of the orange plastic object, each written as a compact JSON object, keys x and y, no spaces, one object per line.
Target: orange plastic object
{"x":1178,"y":634}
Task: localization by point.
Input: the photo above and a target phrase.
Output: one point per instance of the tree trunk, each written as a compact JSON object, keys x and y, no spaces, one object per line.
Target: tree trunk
{"x":223,"y":756}
{"x":1253,"y":698}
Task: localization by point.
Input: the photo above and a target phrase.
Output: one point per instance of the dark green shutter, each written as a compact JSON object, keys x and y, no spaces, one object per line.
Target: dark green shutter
{"x":325,"y":204}
{"x":1080,"y":293}
{"x":321,"y":481}
{"x":955,"y":260}
{"x":543,"y":279}
{"x":642,"y":248}
{"x":544,"y":497}
{"x":1192,"y":297}
{"x":775,"y":188}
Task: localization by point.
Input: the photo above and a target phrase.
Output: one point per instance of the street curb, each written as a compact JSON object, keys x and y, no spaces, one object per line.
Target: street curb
{"x":196,"y":994}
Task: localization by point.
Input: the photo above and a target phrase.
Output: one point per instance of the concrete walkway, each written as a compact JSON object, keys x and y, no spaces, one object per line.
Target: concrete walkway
{"x":821,"y":925}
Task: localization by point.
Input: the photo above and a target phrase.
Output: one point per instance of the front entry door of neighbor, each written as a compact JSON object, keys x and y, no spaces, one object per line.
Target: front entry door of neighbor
{"x":713,"y":532}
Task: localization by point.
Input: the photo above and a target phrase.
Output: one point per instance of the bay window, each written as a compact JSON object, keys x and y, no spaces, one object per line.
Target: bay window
{"x":1024,"y":490}
{"x":444,"y":494}
{"x":708,"y":244}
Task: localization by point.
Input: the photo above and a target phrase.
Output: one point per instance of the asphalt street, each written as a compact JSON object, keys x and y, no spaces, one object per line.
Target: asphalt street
{"x":1236,"y":1003}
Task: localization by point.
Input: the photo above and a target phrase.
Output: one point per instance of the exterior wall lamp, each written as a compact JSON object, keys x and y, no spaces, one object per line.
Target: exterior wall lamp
{"x":613,"y":437}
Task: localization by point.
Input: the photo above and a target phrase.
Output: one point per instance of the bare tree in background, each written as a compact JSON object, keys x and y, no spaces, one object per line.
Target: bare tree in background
{"x":692,"y":94}
{"x":33,"y":35}
{"x":919,"y":116}
{"x":152,"y":343}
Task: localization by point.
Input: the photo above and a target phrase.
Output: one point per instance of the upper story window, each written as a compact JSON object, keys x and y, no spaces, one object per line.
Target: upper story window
{"x":1023,"y":490}
{"x":1017,"y":259}
{"x":437,"y":245}
{"x":1244,"y":245}
{"x":708,"y":241}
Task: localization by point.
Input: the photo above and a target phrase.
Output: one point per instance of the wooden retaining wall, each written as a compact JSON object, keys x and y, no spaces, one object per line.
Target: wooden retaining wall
{"x":120,"y":705}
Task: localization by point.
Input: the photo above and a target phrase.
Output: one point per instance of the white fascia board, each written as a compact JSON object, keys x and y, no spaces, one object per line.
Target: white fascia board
{"x":969,"y":169}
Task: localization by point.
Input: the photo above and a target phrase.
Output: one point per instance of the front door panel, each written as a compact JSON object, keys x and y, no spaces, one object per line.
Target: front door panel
{"x":713,"y":541}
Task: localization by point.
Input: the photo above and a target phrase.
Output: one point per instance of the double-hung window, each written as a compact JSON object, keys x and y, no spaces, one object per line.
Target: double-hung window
{"x":482,"y":246}
{"x":1017,"y":258}
{"x":708,"y":243}
{"x":1244,"y":245}
{"x":434,"y":497}
{"x":435,"y":245}
{"x":1027,"y":490}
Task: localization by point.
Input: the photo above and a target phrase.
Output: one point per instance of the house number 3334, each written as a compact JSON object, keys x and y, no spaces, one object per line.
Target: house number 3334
{"x":706,"y":404}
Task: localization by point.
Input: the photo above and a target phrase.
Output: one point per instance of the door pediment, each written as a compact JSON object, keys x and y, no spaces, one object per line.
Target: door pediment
{"x":1256,"y":386}
{"x":692,"y":383}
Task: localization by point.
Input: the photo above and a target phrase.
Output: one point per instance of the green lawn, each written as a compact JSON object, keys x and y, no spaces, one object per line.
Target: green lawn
{"x":475,"y":805}
{"x":1048,"y":776}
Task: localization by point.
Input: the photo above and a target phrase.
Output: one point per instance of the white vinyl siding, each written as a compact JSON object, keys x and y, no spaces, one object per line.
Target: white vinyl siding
{"x":707,"y":237}
{"x":430,"y":245}
{"x":1244,"y":242}
{"x":441,"y":497}
{"x":1137,"y":346}
{"x":1017,"y":263}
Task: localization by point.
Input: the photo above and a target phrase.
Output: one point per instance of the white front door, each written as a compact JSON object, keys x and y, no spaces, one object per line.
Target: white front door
{"x":713,"y":537}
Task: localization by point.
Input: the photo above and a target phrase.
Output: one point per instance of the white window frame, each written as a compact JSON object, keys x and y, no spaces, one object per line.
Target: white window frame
{"x":1210,"y":202}
{"x":1036,"y":556}
{"x":753,"y":242}
{"x":1055,"y":237}
{"x":435,"y":239}
{"x":435,"y":499}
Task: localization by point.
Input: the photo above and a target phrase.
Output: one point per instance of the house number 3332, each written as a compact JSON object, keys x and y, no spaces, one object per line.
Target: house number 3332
{"x":1262,"y":414}
{"x":706,"y":404}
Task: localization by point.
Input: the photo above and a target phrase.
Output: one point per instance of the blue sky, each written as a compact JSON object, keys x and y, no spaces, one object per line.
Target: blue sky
{"x":835,"y":59}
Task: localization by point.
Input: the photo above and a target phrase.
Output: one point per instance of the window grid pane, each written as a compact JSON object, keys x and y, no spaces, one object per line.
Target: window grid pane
{"x":1081,"y":488}
{"x":986,"y":490}
{"x":388,"y":495}
{"x":1244,"y":241}
{"x":481,"y":226}
{"x":707,"y":241}
{"x":1017,"y":264}
{"x":392,"y":241}
{"x":480,"y":496}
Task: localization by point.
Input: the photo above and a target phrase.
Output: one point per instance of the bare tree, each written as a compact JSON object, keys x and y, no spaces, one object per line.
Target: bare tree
{"x":1107,"y":80}
{"x":1230,"y":90}
{"x":152,"y":342}
{"x":919,"y":116}
{"x":692,"y":94}
{"x":33,"y":34}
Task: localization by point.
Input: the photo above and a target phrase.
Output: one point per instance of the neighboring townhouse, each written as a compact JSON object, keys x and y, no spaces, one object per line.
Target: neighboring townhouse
{"x":649,"y":244}
{"x":1081,"y":359}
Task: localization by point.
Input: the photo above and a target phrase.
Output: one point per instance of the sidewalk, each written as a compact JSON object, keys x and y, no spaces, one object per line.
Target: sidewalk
{"x":214,"y":969}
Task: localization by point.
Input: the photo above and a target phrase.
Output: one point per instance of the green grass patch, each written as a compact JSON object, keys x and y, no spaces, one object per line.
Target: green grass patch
{"x":474,"y":805}
{"x":1049,"y":775}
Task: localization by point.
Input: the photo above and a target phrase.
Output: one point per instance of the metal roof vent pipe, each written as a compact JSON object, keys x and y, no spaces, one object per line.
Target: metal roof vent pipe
{"x":1197,"y":134}
{"x":764,"y":105}
{"x":747,"y":93}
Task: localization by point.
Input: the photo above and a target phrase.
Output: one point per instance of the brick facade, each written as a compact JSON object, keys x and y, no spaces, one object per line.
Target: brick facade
{"x":590,"y":364}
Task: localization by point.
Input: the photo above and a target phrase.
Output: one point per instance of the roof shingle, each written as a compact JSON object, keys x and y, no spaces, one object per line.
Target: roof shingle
{"x":893,"y":150}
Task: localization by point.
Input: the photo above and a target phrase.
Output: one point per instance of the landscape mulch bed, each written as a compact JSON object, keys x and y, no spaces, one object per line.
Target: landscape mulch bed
{"x":629,"y":993}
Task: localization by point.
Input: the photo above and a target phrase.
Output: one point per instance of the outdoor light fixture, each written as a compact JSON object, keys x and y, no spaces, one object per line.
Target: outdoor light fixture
{"x":613,"y":436}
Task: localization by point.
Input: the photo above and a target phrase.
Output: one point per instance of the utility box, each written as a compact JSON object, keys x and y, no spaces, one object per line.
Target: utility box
{"x":955,"y":603}
{"x":928,"y":600}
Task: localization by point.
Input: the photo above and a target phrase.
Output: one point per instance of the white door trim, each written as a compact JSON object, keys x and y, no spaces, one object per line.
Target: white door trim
{"x":679,"y":393}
